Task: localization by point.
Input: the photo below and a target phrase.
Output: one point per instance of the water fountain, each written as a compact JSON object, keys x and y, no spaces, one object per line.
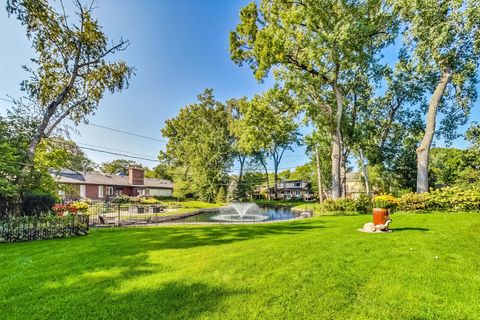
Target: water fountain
{"x":241,"y":212}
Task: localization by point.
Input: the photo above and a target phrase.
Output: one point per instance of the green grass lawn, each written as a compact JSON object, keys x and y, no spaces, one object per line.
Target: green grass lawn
{"x":319,"y":268}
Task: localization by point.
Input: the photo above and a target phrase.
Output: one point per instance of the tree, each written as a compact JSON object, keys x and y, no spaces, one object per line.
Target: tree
{"x":235,"y":114}
{"x":199,"y":140}
{"x":10,"y":159}
{"x":118,"y":166}
{"x":221,"y":198}
{"x":471,"y":174}
{"x":58,"y":153}
{"x":446,"y":166}
{"x":268,"y":127}
{"x":315,"y":44}
{"x":71,"y":72}
{"x":160,"y":171}
{"x":449,"y":56}
{"x":233,"y":190}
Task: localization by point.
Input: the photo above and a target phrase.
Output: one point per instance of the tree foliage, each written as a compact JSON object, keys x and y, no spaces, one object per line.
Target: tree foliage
{"x":119,"y":166}
{"x":71,"y":71}
{"x":199,"y":140}
{"x":442,"y":42}
{"x":268,"y":127}
{"x":314,"y":44}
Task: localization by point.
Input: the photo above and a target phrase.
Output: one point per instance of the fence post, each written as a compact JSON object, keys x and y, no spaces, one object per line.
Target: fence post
{"x":118,"y":214}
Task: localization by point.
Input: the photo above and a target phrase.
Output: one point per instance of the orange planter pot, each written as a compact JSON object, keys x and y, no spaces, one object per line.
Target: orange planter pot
{"x":380,"y":215}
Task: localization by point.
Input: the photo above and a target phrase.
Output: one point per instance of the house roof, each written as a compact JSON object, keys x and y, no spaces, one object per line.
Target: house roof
{"x":73,"y":177}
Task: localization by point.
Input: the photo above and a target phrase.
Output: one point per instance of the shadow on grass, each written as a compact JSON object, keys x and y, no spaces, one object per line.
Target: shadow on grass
{"x":410,"y":229}
{"x":184,"y":237}
{"x":110,"y":274}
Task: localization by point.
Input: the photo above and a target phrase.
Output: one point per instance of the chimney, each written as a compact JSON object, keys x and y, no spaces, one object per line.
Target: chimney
{"x":136,"y":176}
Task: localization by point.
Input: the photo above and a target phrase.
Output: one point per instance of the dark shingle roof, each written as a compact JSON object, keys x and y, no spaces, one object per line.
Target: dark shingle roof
{"x":73,"y":177}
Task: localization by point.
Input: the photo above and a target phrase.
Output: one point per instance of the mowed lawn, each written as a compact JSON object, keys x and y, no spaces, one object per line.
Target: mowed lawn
{"x":320,"y":268}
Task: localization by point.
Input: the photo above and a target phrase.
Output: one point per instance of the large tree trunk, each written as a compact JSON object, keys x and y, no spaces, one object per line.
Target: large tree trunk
{"x":365,"y":174}
{"x":337,"y":145}
{"x":343,"y":173}
{"x":267,"y":179}
{"x":319,"y":177}
{"x":275,"y":181}
{"x":423,"y":151}
{"x":241,"y":159}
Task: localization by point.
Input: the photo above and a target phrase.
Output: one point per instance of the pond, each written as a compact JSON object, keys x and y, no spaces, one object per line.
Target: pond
{"x":242,"y":212}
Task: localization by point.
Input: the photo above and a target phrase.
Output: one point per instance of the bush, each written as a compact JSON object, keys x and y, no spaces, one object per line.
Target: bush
{"x":363,"y":204}
{"x":35,"y":203}
{"x":448,"y":198}
{"x":149,"y":201}
{"x":413,"y":201}
{"x":341,"y":205}
{"x":385,"y":201}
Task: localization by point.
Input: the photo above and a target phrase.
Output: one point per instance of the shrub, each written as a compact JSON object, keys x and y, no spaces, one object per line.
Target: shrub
{"x":35,"y":203}
{"x":121,"y":199}
{"x":149,"y":201}
{"x":414,"y":201}
{"x":342,"y":205}
{"x":363,"y":204}
{"x":386,"y":201}
{"x":448,"y":198}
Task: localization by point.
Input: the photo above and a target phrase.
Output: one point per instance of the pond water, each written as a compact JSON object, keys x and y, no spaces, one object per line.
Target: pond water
{"x":243,"y":213}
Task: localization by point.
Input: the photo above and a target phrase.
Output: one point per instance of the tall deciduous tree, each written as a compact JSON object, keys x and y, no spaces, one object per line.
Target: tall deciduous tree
{"x":199,"y":140}
{"x":443,"y":40}
{"x":71,"y":71}
{"x":319,"y":42}
{"x":268,"y":127}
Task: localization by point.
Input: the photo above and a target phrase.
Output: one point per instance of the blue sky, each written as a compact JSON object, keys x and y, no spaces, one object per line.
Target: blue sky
{"x":178,"y":48}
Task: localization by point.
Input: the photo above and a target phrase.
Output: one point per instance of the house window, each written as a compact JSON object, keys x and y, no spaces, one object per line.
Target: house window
{"x":109,"y":191}
{"x":297,"y":193}
{"x":298,"y":184}
{"x":100,"y":191}
{"x":140,"y":192}
{"x":83,"y":191}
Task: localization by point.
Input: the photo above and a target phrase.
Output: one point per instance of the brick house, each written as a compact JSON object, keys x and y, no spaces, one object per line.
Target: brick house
{"x":99,"y":186}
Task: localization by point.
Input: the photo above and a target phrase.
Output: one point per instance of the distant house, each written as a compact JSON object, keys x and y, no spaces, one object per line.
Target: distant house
{"x":99,"y":186}
{"x":354,"y":185}
{"x":293,"y":189}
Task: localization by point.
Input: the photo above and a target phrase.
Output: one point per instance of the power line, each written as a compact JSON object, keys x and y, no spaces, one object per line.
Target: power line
{"x":127,"y":132}
{"x":112,"y":149}
{"x":120,"y":154}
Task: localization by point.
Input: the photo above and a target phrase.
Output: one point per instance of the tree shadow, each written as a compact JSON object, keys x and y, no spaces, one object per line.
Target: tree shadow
{"x":409,"y":229}
{"x":110,"y":274}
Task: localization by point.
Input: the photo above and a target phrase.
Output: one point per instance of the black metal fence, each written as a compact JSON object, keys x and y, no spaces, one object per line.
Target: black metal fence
{"x":131,"y":215}
{"x":17,"y":228}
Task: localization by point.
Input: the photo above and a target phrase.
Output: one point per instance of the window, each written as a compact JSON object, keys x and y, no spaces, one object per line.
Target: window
{"x":83,"y":191}
{"x":109,"y":191}
{"x":298,"y":184}
{"x":297,"y":193}
{"x":100,"y":191}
